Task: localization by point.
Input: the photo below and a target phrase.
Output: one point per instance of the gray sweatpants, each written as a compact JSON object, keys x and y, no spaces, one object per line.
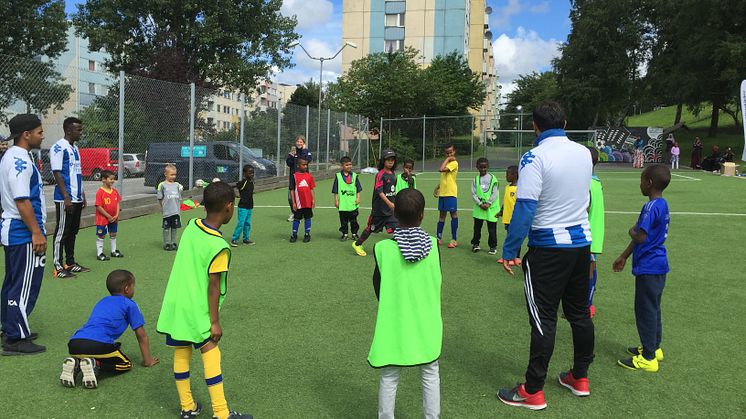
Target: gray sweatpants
{"x":430,"y":391}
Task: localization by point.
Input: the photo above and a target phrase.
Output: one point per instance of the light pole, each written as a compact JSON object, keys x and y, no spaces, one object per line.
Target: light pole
{"x":520,"y":128}
{"x":321,"y":75}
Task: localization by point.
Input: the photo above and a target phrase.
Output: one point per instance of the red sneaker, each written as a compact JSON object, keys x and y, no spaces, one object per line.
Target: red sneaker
{"x":578,"y":386}
{"x":518,"y":396}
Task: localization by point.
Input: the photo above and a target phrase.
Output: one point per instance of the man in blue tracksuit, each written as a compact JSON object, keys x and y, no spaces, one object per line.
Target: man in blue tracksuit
{"x":552,"y":209}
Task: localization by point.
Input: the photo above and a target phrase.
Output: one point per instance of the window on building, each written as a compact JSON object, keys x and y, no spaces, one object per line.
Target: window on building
{"x":227,"y":109}
{"x":396,"y":20}
{"x":92,"y":88}
{"x":227,"y":95}
{"x":393,"y":46}
{"x":91,"y":65}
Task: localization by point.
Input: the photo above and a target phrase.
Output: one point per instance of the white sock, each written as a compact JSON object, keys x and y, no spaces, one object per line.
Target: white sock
{"x":113,"y":242}
{"x":99,"y":245}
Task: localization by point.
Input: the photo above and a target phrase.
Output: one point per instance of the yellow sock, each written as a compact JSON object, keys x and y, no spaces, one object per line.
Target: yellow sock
{"x":182,"y":356}
{"x":214,"y":380}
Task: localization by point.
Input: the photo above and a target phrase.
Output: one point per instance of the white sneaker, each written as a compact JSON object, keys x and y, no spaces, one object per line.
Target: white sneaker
{"x":291,"y":217}
{"x":88,"y":368}
{"x":67,"y":378}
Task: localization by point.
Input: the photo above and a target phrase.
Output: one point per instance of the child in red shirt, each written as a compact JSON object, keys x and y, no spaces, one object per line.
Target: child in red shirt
{"x":303,"y":199}
{"x":107,"y":215}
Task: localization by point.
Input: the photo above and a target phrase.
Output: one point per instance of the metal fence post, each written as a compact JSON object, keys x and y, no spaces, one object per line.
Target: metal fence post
{"x":424,"y":119}
{"x":471,"y":151}
{"x":343,"y":139}
{"x":120,"y":168}
{"x":308,"y":114}
{"x":191,"y":136}
{"x":328,"y":123}
{"x":279,"y":132}
{"x":380,"y":138}
{"x":240,"y":154}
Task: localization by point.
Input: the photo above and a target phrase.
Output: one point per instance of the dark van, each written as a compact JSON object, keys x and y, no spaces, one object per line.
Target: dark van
{"x":212,"y":159}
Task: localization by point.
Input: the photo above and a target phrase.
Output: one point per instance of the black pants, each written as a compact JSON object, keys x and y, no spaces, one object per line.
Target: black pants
{"x":648,"y":293}
{"x":553,"y":275}
{"x":348,"y":217}
{"x":491,"y":230}
{"x":68,"y":224}
{"x":107,"y":355}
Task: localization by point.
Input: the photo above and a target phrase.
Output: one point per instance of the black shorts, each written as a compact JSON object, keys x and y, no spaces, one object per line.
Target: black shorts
{"x":173,"y":221}
{"x":109,"y":356}
{"x":302,"y":213}
{"x":376,"y":223}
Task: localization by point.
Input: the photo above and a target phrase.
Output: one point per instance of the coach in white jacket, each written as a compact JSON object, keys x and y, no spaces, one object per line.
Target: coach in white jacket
{"x":552,"y":209}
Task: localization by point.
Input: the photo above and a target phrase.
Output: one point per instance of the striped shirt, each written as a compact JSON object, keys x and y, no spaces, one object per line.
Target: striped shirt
{"x":19,"y":179}
{"x":65,"y":159}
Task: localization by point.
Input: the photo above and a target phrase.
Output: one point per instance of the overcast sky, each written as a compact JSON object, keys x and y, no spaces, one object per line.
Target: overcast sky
{"x":526,"y":34}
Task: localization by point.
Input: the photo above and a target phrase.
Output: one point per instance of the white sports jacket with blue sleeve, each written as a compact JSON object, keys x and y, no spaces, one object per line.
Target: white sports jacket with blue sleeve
{"x":552,"y":195}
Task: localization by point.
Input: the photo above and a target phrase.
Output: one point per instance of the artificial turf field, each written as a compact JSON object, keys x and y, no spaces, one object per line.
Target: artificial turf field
{"x":298,"y":320}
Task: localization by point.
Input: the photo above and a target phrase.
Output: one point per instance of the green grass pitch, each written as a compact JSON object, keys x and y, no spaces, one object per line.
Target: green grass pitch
{"x":298,"y":320}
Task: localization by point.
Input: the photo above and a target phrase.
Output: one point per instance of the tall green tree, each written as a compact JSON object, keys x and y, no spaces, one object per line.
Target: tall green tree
{"x":306,"y":94}
{"x":451,"y":88}
{"x":32,"y":29}
{"x":215,"y":44}
{"x":531,"y":90}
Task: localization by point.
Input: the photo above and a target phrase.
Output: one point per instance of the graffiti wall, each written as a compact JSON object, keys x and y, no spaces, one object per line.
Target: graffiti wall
{"x":619,"y":144}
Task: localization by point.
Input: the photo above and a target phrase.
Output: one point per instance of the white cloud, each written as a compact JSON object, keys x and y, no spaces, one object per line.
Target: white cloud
{"x":307,"y":69}
{"x":522,"y":54}
{"x":310,"y":13}
{"x":542,"y":7}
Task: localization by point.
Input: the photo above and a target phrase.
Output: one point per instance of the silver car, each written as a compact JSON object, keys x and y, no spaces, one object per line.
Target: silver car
{"x":134,"y":165}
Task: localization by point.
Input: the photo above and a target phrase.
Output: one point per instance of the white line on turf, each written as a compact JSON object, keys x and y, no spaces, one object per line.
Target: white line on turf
{"x":714,"y":214}
{"x":685,"y":177}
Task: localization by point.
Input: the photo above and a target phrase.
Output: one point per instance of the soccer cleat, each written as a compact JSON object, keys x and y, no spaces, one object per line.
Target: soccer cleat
{"x":77,"y":268}
{"x":452,"y":244}
{"x":234,"y":243}
{"x":187,"y":414}
{"x":638,"y":362}
{"x":63,"y":274}
{"x":293,"y":238}
{"x":69,"y":368}
{"x":343,"y":237}
{"x":236,"y":415}
{"x":493,"y":251}
{"x":89,"y":368}
{"x":578,"y":386}
{"x":637,"y":350}
{"x":174,"y":246}
{"x":22,"y":347}
{"x":355,"y":236}
{"x":517,"y":396}
{"x":117,"y":254}
{"x":102,"y":257}
{"x":248,"y":242}
{"x":306,"y":238}
{"x":167,"y":247}
{"x":474,"y":247}
{"x":592,"y":310}
{"x":291,"y":217}
{"x":359,"y":249}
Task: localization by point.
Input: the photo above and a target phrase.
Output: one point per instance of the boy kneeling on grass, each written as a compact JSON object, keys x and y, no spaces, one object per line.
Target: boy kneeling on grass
{"x":409,"y":327}
{"x":93,"y":347}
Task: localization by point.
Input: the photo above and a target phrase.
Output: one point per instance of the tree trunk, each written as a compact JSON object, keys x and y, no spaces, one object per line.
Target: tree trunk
{"x":679,"y":107}
{"x":734,"y":115}
{"x":714,"y":118}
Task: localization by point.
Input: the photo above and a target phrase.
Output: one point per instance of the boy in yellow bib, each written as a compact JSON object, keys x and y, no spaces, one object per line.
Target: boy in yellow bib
{"x":485,"y":192}
{"x":194,"y":294}
{"x":409,"y":327}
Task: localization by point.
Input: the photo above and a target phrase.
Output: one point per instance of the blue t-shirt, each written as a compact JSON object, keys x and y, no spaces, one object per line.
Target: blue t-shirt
{"x":109,"y":319}
{"x":649,"y":257}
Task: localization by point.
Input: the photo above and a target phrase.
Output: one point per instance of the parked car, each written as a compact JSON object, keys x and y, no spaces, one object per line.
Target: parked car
{"x":134,"y":164}
{"x":41,"y":158}
{"x":212,"y":159}
{"x":93,"y":161}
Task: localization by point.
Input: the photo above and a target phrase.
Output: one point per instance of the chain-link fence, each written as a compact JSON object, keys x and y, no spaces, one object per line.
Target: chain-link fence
{"x":134,"y":126}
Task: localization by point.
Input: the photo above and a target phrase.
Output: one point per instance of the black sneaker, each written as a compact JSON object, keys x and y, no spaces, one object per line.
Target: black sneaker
{"x":493,"y":251}
{"x":234,"y":243}
{"x":293,"y":238}
{"x":77,"y":268}
{"x":102,"y":257}
{"x":167,"y":247}
{"x":306,"y":238}
{"x":174,"y":246}
{"x":475,"y":248}
{"x":22,"y":347}
{"x":355,"y":237}
{"x":69,"y":369}
{"x":187,"y":414}
{"x":236,"y":415}
{"x":117,"y":254}
{"x":32,"y":337}
{"x":248,"y":242}
{"x":89,"y":369}
{"x":343,"y":238}
{"x":63,"y":274}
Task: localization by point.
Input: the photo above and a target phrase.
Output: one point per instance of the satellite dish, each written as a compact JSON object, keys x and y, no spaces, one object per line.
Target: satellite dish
{"x":488,"y":10}
{"x":488,"y":35}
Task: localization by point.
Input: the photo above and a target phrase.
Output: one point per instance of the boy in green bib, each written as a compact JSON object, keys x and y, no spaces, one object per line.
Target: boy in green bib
{"x":485,"y":193}
{"x":346,"y":190}
{"x":194,"y":294}
{"x":596,"y":221}
{"x":406,"y":179}
{"x":409,"y":327}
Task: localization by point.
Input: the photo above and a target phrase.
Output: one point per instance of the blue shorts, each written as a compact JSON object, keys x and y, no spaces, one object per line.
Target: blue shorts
{"x":447,"y":204}
{"x":111,"y":228}
{"x":180,"y":343}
